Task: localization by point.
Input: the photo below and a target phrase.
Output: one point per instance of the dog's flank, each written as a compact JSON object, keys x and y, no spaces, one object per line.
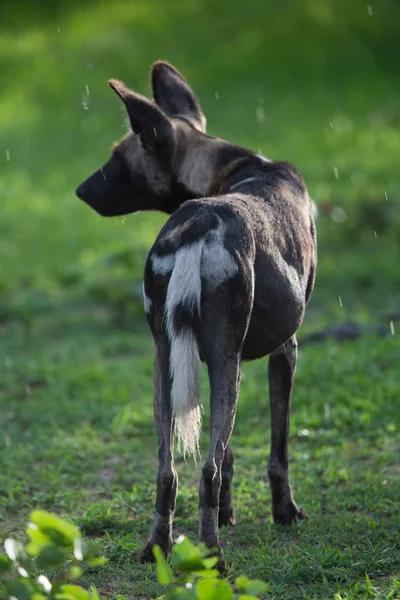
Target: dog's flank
{"x":227,"y":279}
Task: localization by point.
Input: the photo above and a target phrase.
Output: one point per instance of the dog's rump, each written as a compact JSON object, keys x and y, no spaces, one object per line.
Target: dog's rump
{"x":193,"y":256}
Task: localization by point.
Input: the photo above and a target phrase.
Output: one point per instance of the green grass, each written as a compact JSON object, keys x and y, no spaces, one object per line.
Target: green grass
{"x":76,"y":372}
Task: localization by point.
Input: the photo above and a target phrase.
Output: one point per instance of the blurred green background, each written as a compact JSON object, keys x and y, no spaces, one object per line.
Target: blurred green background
{"x":313,"y":82}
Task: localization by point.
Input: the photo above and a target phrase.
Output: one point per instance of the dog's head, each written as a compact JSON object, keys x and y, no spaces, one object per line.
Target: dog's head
{"x":164,"y":160}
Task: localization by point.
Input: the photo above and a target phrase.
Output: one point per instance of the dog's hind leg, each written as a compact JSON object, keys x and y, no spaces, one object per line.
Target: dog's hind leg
{"x":225,"y":317}
{"x":281,"y":369}
{"x":167,"y":479}
{"x":226,"y":514}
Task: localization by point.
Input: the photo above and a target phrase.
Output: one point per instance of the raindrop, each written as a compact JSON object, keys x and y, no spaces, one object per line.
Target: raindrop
{"x":332,"y":125}
{"x":370,"y":10}
{"x":102,"y":172}
{"x":217,"y":95}
{"x":8,"y":155}
{"x":87,"y":89}
{"x":386,"y":196}
{"x":340,"y":302}
{"x":85,"y":106}
{"x":155,"y":132}
{"x":260,"y":114}
{"x":59,"y":30}
{"x":392,"y":327}
{"x":338,"y":215}
{"x":336,"y":172}
{"x":303,"y":433}
{"x":7,"y":441}
{"x":375,"y":234}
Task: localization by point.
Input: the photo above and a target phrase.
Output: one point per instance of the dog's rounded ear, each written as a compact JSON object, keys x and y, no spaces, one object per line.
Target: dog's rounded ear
{"x":146,"y":118}
{"x":174,"y":95}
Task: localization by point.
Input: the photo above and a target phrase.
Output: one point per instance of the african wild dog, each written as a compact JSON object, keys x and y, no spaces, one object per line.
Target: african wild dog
{"x":227,"y":279}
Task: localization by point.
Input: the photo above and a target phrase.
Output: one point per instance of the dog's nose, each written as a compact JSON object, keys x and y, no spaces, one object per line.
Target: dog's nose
{"x":80,"y":191}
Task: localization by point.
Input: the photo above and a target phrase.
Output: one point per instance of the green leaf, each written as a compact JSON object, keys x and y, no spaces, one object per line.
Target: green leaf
{"x":241,"y":582}
{"x":210,"y":562}
{"x":75,"y":591}
{"x":58,"y":530}
{"x":186,"y":557}
{"x":184,"y":549}
{"x":94,"y":594}
{"x":179,"y":594}
{"x":19,"y":589}
{"x":188,"y":565}
{"x":251,"y":587}
{"x":213,"y":589}
{"x":5,"y":563}
{"x":73,"y":573}
{"x":65,"y":596}
{"x":38,"y":596}
{"x":38,"y":540}
{"x":165,"y":575}
{"x":95,"y":550}
{"x":97,"y":562}
{"x":206,"y":573}
{"x":51,"y":558}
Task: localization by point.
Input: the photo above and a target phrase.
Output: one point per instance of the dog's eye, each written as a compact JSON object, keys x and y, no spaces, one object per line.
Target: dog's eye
{"x":119,"y":161}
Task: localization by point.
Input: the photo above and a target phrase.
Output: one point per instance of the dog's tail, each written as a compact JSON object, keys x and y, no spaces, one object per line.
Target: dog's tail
{"x":181,"y":308}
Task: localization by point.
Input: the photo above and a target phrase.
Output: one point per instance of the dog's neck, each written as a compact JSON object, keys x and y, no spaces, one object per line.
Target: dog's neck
{"x":243,"y":182}
{"x":240,"y":172}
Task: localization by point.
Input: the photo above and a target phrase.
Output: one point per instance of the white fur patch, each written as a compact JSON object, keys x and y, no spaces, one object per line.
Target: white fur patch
{"x":147,"y":302}
{"x":185,"y":283}
{"x":248,"y":180}
{"x":217,"y":264}
{"x":197,"y":172}
{"x":314,"y":208}
{"x":162,"y":265}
